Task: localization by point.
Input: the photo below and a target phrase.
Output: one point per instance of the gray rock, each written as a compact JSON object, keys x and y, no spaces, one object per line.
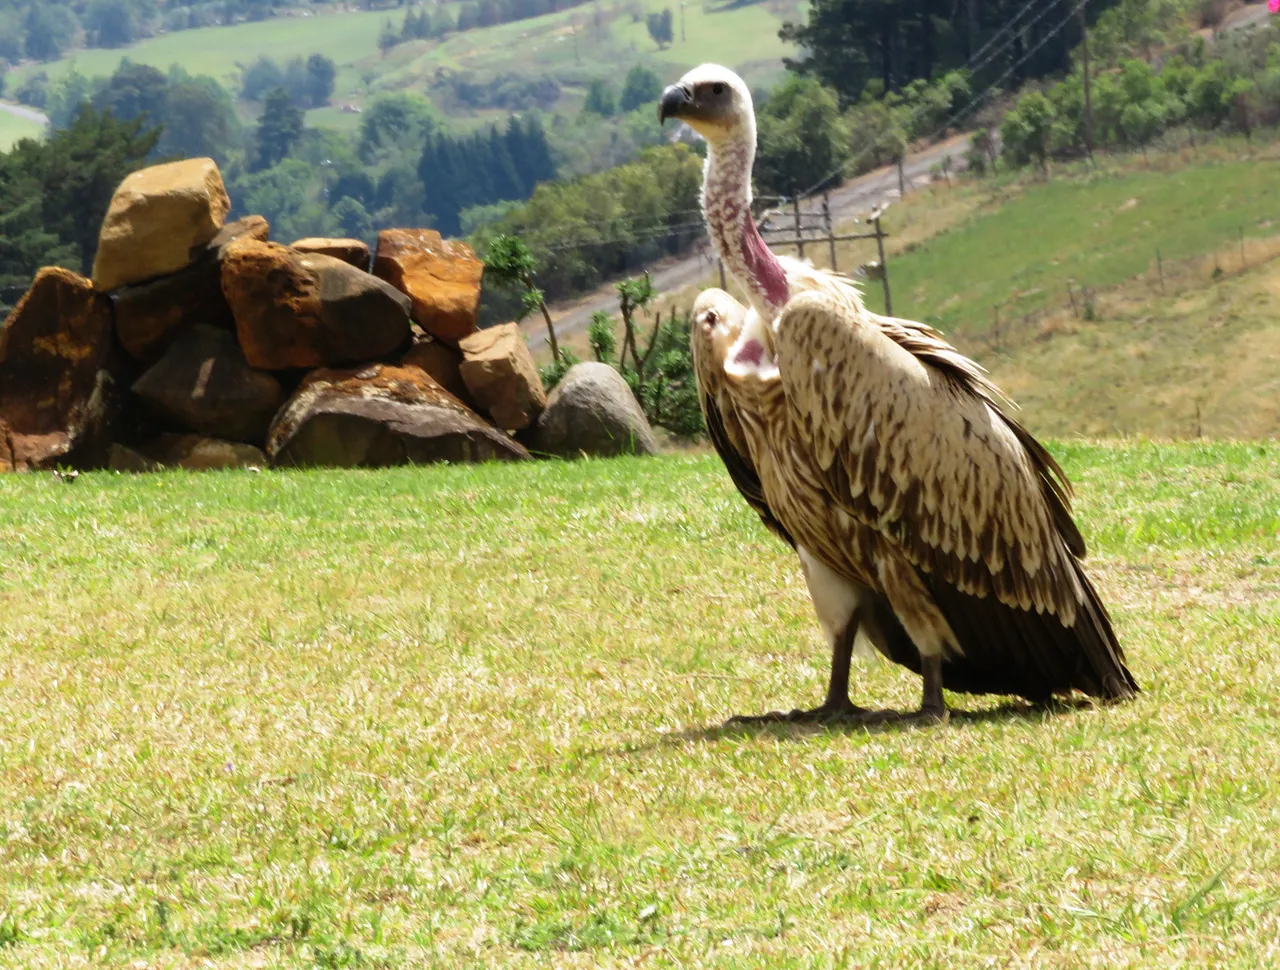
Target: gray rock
{"x":380,"y":415}
{"x":198,"y":454}
{"x":203,"y":384}
{"x":593,"y":412}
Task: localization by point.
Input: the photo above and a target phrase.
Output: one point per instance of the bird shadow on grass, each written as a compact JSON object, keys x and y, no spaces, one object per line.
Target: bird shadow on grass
{"x":1010,"y":712}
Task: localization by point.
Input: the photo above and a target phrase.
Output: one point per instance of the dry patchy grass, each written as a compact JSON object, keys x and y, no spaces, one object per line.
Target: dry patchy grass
{"x":469,"y":716}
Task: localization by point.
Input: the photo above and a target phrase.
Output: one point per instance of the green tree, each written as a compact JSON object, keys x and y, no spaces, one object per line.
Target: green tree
{"x":660,"y":28}
{"x":200,"y":119}
{"x":1027,"y":131}
{"x":287,"y":195}
{"x":352,"y":219}
{"x":802,"y":137}
{"x":135,"y":91}
{"x":642,"y":87}
{"x":388,"y":38}
{"x":601,"y":99}
{"x":321,"y":72}
{"x":81,"y":167}
{"x":602,"y":337}
{"x":509,"y":262}
{"x":278,"y":130}
{"x":49,"y":28}
{"x":26,"y":243}
{"x":260,"y":78}
{"x":395,"y":122}
{"x":112,"y":23}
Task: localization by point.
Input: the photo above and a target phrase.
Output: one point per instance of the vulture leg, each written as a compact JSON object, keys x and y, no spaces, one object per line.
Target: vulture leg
{"x":928,"y":630}
{"x":836,"y":708}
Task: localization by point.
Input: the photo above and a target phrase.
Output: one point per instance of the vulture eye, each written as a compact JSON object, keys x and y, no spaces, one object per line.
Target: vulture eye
{"x":717,"y":88}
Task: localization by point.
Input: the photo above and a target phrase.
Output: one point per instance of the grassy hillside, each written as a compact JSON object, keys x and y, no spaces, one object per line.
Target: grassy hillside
{"x":470,"y":717}
{"x":13,"y":128}
{"x":1198,"y":354}
{"x":573,"y":46}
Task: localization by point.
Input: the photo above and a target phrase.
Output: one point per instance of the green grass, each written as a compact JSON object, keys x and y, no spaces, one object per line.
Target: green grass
{"x":469,"y":717}
{"x":13,"y":128}
{"x":568,"y":45}
{"x":1019,"y":250}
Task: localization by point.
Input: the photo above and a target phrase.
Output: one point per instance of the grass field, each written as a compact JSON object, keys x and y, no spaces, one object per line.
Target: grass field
{"x":13,"y":128}
{"x":1186,"y":346}
{"x":470,"y":717}
{"x":1022,"y":243}
{"x":573,"y":46}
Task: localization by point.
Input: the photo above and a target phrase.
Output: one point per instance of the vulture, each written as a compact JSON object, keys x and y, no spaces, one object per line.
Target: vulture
{"x":931,"y":527}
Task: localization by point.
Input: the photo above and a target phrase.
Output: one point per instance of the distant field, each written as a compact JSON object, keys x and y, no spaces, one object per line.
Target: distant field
{"x":13,"y":128}
{"x":573,"y":46}
{"x":1018,"y":251}
{"x":471,"y":717}
{"x":1197,"y":355}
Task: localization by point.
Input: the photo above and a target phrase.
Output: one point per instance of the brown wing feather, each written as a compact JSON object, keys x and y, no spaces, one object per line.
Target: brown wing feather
{"x":915,"y":445}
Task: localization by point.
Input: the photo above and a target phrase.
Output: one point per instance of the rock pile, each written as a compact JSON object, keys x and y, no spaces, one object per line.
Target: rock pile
{"x":202,"y":344}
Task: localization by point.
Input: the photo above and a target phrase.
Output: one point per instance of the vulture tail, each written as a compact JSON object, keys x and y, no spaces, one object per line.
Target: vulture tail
{"x":1007,"y":650}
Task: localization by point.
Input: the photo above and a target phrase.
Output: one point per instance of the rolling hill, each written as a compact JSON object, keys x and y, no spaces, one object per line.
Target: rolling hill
{"x":571,"y":47}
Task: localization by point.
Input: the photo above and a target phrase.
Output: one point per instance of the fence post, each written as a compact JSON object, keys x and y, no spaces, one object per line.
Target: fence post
{"x":831,"y":233}
{"x":1160,"y":270}
{"x":884,"y":268}
{"x":795,"y":208}
{"x":1242,"y":259}
{"x":722,"y":283}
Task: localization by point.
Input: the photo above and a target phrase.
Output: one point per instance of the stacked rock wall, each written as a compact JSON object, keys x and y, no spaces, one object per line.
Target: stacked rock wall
{"x":202,"y":344}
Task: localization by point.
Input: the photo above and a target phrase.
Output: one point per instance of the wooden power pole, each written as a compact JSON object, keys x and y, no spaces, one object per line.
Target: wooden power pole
{"x":1088,"y":99}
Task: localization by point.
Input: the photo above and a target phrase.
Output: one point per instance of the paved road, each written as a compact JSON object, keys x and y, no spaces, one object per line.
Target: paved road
{"x":851,"y":200}
{"x":22,"y":111}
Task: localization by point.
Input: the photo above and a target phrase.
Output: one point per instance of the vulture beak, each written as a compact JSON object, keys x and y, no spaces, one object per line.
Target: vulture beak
{"x":674,"y":100}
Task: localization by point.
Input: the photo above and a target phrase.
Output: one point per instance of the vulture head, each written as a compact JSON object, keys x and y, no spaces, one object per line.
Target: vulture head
{"x":711,"y":100}
{"x":741,"y":343}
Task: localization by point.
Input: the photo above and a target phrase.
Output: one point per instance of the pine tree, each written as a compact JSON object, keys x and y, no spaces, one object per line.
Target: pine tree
{"x":279,"y":129}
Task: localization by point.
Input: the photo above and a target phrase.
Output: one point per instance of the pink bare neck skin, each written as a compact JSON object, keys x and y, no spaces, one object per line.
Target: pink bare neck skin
{"x":726,"y":206}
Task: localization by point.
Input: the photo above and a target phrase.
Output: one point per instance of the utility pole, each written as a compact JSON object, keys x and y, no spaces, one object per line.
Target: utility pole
{"x":682,"y":3}
{"x":1088,"y":99}
{"x":884,"y":269}
{"x":795,"y":206}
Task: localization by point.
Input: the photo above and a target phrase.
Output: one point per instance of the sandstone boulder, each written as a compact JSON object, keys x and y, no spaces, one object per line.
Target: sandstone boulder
{"x":197,"y":453}
{"x":442,"y":277}
{"x":443,"y":364}
{"x":123,"y":459}
{"x":351,"y":251}
{"x":501,"y":376}
{"x":203,"y":384}
{"x":378,"y":416}
{"x":58,"y":376}
{"x":150,"y":315}
{"x":158,"y":221}
{"x":593,"y":412}
{"x":300,"y":310}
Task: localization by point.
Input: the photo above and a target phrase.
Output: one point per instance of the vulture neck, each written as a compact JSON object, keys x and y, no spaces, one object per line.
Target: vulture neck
{"x":726,"y":206}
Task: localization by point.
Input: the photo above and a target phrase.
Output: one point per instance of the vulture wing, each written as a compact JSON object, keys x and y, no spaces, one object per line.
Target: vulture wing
{"x":723,"y":425}
{"x":913,"y":443}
